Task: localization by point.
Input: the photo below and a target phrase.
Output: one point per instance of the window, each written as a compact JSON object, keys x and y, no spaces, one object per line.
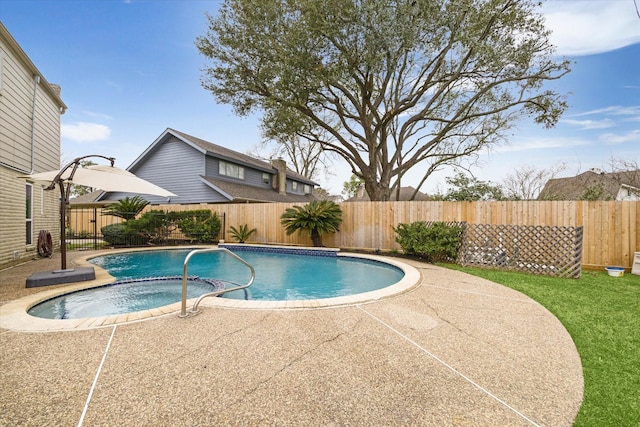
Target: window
{"x":294,"y":186}
{"x":307,"y":189}
{"x":266,"y":178}
{"x":29,"y":213}
{"x":231,"y":170}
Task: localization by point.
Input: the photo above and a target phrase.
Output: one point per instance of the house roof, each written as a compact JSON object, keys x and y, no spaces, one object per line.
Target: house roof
{"x":573,"y":188}
{"x":241,"y":193}
{"x":89,"y":199}
{"x":405,"y":194}
{"x":215,"y":150}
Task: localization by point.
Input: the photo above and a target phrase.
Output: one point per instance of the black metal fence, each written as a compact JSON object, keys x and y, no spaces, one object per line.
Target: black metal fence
{"x":93,"y":228}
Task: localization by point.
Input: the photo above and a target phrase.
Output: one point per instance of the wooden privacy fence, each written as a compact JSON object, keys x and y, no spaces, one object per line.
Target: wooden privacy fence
{"x":610,"y":228}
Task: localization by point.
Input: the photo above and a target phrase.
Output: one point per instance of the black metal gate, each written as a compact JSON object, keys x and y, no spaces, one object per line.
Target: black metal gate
{"x":84,"y":225}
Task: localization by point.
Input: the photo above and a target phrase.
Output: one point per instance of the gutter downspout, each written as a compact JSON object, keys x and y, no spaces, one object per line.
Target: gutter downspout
{"x":36,"y":82}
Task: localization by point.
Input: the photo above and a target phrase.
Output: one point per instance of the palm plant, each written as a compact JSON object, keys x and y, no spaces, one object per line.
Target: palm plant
{"x":317,"y":218}
{"x":127,"y":208}
{"x":242,"y":233}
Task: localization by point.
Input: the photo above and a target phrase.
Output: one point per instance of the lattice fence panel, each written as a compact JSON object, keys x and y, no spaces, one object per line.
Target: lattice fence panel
{"x":551,"y":251}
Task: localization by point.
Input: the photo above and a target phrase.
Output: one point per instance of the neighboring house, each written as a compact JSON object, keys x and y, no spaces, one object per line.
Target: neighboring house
{"x":198,"y":171}
{"x":30,"y":110}
{"x":594,"y":184}
{"x":405,"y":194}
{"x":88,"y":200}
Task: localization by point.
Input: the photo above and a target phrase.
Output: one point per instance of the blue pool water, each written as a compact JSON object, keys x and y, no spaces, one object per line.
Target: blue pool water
{"x":121,"y":297}
{"x":277,"y":277}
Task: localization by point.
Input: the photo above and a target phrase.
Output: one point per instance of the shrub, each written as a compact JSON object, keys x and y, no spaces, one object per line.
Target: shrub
{"x":433,"y":241}
{"x":151,"y":226}
{"x":202,"y":226}
{"x":242,"y":233}
{"x":122,"y":235}
{"x":316,"y":218}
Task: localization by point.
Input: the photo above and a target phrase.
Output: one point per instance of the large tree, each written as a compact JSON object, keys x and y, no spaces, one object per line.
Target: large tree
{"x":350,"y":188}
{"x":469,"y":188}
{"x":305,"y":157}
{"x":527,"y":181}
{"x":395,"y":84}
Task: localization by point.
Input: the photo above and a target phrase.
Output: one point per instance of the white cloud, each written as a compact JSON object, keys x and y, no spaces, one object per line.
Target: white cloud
{"x":85,"y":132}
{"x":615,"y":110}
{"x":586,"y":27}
{"x":526,"y":144}
{"x":591,"y":124}
{"x":615,"y":138}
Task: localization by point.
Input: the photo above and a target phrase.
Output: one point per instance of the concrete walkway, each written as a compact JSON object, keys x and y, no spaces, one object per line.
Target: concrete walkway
{"x":454,"y":351}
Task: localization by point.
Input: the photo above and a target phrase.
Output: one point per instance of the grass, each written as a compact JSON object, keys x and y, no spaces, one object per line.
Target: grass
{"x":602,"y":314}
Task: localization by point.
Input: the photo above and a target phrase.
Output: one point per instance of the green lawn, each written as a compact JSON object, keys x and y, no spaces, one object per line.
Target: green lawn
{"x":602,"y":314}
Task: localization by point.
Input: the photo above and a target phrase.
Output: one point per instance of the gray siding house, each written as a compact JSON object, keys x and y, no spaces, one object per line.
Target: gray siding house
{"x":199,"y":171}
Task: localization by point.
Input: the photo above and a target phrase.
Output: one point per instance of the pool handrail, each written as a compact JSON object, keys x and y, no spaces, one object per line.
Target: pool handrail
{"x":185,"y":269}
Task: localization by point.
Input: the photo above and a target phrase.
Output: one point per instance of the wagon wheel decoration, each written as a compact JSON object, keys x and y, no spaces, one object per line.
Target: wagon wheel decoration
{"x":45,"y":244}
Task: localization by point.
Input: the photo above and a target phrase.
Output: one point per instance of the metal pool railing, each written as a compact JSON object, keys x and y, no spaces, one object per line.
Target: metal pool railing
{"x":185,"y":268}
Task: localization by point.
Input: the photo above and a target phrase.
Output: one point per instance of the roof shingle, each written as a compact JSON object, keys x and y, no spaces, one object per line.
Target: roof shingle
{"x":242,"y":193}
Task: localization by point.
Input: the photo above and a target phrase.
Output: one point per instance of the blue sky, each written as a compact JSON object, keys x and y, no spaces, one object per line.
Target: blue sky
{"x":129,"y":69}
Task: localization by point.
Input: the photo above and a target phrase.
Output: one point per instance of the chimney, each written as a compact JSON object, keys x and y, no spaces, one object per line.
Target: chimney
{"x":360,"y":191}
{"x":281,"y":177}
{"x":55,"y":88}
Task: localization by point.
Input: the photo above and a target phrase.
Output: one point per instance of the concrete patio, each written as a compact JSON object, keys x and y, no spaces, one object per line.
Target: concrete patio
{"x":454,"y":351}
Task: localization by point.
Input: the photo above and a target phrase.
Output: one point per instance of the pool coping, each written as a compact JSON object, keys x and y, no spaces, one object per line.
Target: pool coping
{"x":14,"y":316}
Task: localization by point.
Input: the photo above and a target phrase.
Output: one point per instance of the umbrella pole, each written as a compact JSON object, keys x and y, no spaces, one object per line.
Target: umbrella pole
{"x":63,"y":227}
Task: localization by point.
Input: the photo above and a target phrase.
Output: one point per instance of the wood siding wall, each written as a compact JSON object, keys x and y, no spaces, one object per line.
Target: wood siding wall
{"x":174,"y":166}
{"x":16,"y":105}
{"x":252,"y":176}
{"x":610,"y":228}
{"x":16,"y":113}
{"x":13,"y":247}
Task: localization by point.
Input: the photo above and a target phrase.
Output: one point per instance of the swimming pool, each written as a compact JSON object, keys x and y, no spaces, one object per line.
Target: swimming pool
{"x":124,"y":296}
{"x":280,"y":277}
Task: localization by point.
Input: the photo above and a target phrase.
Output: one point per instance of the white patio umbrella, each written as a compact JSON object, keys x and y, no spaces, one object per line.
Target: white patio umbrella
{"x":103,"y":177}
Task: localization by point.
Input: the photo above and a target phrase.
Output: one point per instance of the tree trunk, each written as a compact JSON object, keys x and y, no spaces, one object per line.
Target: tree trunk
{"x":316,"y":238}
{"x":377,"y":190}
